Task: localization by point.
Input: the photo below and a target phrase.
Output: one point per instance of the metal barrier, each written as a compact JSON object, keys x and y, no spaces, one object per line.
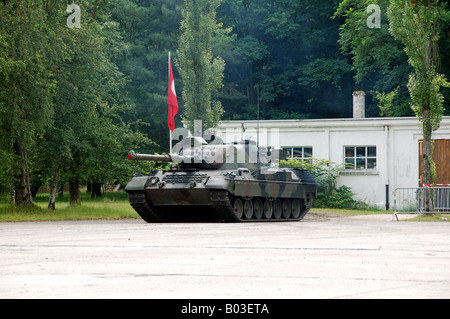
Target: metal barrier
{"x":421,"y":200}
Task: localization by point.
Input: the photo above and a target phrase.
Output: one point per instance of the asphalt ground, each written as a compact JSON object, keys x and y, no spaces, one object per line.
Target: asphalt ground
{"x":322,"y":256}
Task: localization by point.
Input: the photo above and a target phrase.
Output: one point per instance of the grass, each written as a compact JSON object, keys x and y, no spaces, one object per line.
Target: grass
{"x":350,"y":212}
{"x":115,"y":205}
{"x":112,"y":205}
{"x":430,"y":218}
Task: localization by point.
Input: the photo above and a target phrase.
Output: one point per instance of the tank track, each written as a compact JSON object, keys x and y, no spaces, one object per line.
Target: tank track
{"x":139,"y":203}
{"x":222,"y":204}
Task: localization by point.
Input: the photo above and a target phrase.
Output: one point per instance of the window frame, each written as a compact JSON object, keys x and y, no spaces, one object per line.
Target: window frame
{"x":357,"y":155}
{"x":302,"y":158}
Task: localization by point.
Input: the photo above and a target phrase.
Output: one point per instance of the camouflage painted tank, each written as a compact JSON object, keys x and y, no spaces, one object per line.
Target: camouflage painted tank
{"x":220,"y":182}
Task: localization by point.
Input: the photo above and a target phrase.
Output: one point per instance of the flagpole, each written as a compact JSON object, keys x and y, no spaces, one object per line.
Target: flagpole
{"x":170,"y":132}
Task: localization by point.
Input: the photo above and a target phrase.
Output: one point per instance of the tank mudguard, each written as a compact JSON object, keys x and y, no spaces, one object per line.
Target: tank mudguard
{"x":218,"y":182}
{"x":136,"y":184}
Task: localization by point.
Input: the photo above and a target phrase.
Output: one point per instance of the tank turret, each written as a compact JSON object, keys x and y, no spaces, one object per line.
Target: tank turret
{"x":232,"y":182}
{"x":194,"y":152}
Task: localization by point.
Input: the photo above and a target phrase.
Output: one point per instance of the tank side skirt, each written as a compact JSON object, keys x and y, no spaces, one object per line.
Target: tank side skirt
{"x":273,"y":189}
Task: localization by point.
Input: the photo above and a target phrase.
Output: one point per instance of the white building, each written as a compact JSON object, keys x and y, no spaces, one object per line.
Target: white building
{"x":383,"y":153}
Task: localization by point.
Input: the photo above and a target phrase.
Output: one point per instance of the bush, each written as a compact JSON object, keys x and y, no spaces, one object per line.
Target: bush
{"x":326,"y":174}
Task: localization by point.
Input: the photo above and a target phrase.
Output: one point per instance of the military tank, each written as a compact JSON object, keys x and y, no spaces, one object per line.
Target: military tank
{"x":220,"y":182}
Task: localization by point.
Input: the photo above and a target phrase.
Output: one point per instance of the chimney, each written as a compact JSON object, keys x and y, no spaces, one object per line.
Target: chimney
{"x":359,"y":104}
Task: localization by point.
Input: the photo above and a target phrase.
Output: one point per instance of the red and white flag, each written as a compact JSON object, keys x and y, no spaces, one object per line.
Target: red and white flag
{"x":172,"y":100}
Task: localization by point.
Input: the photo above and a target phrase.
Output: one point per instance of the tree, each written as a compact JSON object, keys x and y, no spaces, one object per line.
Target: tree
{"x":201,"y":73}
{"x":285,"y":56}
{"x":417,"y":26}
{"x":61,"y":99}
{"x":30,"y":48}
{"x":378,"y":59}
{"x":149,"y":29}
{"x":88,"y":134}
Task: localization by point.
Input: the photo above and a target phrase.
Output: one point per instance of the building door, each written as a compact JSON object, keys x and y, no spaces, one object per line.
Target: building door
{"x":441,"y":157}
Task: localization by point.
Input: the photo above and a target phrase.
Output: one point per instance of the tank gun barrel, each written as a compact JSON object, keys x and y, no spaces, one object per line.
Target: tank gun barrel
{"x":149,"y":157}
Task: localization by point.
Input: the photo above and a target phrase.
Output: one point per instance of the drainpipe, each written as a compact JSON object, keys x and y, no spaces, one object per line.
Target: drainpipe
{"x":386,"y":147}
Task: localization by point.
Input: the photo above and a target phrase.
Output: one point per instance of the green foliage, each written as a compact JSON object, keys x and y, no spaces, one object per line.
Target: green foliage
{"x":378,"y":59}
{"x":32,"y":46}
{"x":326,"y":174}
{"x":89,"y":134}
{"x":285,"y":57}
{"x":202,"y":73}
{"x":386,"y":101}
{"x":5,"y":171}
{"x":372,"y":49}
{"x":341,"y":197}
{"x":60,"y":97}
{"x":417,"y":27}
{"x":427,"y":100}
{"x":148,"y":30}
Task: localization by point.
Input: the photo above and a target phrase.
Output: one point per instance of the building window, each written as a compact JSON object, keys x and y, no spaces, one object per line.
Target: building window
{"x":360,"y":157}
{"x":303,"y":153}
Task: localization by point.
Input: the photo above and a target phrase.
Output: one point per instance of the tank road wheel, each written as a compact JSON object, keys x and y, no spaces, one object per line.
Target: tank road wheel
{"x":238,"y":207}
{"x":277,"y":209}
{"x":258,"y":208}
{"x":268,"y":209}
{"x":295,"y":208}
{"x":286,"y":208}
{"x":248,"y":209}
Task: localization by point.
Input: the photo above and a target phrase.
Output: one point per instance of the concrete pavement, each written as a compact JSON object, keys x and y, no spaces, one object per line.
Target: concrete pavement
{"x":319,"y":257}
